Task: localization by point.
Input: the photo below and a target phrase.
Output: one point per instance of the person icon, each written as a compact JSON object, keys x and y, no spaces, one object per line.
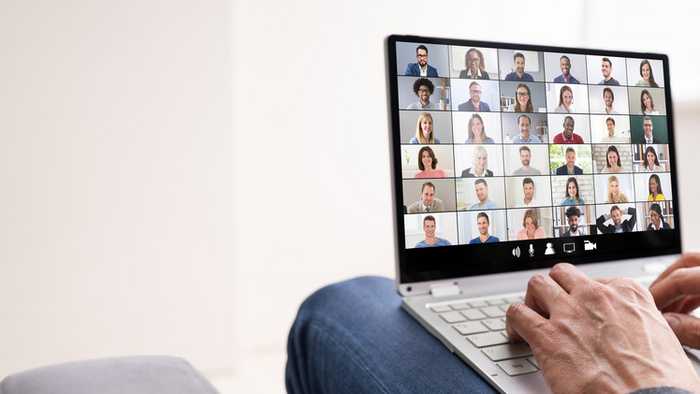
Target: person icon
{"x":421,"y":68}
{"x":549,"y":250}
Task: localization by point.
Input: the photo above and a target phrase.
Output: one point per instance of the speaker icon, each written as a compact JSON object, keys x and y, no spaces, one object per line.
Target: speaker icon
{"x":516,"y":251}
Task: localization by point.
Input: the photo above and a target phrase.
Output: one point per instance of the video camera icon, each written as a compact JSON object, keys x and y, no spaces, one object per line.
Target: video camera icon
{"x":588,"y":245}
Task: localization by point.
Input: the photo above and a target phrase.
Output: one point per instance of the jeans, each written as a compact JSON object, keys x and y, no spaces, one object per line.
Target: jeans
{"x":353,"y":337}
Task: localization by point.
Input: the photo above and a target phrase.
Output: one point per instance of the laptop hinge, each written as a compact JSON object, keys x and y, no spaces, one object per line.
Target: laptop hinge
{"x":444,"y":290}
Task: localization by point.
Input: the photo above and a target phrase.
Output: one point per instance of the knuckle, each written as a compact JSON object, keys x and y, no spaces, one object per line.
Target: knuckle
{"x":535,"y":280}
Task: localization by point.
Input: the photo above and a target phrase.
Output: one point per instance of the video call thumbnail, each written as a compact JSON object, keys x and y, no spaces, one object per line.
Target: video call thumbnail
{"x":506,"y":144}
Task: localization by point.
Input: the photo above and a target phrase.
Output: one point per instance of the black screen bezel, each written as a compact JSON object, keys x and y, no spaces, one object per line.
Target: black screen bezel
{"x":428,"y":264}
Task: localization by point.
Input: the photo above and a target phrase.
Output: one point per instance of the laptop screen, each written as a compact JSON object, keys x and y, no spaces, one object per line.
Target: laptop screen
{"x":511,"y":157}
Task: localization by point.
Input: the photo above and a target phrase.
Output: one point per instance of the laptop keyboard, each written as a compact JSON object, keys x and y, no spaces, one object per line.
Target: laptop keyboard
{"x":483,"y":322}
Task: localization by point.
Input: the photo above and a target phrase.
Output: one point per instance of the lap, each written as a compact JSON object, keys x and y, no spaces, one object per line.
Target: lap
{"x":354,"y":336}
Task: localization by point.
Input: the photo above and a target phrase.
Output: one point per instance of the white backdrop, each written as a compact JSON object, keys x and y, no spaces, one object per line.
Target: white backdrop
{"x":158,"y":212}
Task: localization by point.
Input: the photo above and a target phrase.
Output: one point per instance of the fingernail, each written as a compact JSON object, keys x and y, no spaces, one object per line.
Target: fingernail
{"x":672,"y":320}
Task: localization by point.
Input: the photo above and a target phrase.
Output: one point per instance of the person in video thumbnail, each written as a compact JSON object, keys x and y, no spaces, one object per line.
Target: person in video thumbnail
{"x":474,"y":103}
{"x":523,"y":99}
{"x":572,"y":194}
{"x":648,"y":126}
{"x":647,"y":75}
{"x":427,"y":163}
{"x":613,"y":164}
{"x":421,"y":68}
{"x":573,"y":215}
{"x":570,"y":168}
{"x":525,"y":136}
{"x":566,"y":99}
{"x":655,"y":192}
{"x":477,"y":131}
{"x":647,"y":103}
{"x":565,"y":76}
{"x":526,"y":169}
{"x":530,"y":230}
{"x":606,"y":70}
{"x":656,"y":219}
{"x":614,"y":194}
{"x":424,"y":130}
{"x":482,"y":194}
{"x":567,"y":136}
{"x":479,"y":164}
{"x":651,"y":160}
{"x":519,"y":66}
{"x":428,"y":202}
{"x":609,"y":101}
{"x":482,"y":223}
{"x":475,"y":65}
{"x":423,"y":88}
{"x":611,"y":137}
{"x":528,"y":192}
{"x":618,"y":225}
{"x":430,"y":238}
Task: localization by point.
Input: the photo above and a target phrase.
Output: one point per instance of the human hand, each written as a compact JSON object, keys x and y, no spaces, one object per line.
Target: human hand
{"x":677,"y":293}
{"x":598,"y":336}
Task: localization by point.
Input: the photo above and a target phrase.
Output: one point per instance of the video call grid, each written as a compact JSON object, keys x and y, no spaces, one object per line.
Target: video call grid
{"x":554,"y":206}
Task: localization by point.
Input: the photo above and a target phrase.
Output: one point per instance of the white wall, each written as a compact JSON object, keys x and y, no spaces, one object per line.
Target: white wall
{"x":115,"y":139}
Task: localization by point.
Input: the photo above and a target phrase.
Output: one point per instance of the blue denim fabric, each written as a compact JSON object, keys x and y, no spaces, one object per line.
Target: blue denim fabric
{"x":353,"y":337}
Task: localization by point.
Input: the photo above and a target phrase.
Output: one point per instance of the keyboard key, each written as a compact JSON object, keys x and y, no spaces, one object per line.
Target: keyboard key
{"x":533,"y":361}
{"x":507,"y":351}
{"x":452,"y":317}
{"x":493,"y":311}
{"x":516,"y":367}
{"x":487,"y":339}
{"x":504,"y":307}
{"x":470,"y":327}
{"x":478,"y":304}
{"x":473,"y":314}
{"x":440,"y":308}
{"x":496,"y":301}
{"x":515,"y":300}
{"x":460,"y":305}
{"x":495,"y":324}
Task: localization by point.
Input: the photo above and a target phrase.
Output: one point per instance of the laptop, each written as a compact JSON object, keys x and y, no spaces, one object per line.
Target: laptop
{"x":509,"y":158}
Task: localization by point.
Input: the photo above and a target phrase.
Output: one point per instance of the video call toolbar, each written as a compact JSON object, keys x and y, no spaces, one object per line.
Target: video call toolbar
{"x":502,"y":144}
